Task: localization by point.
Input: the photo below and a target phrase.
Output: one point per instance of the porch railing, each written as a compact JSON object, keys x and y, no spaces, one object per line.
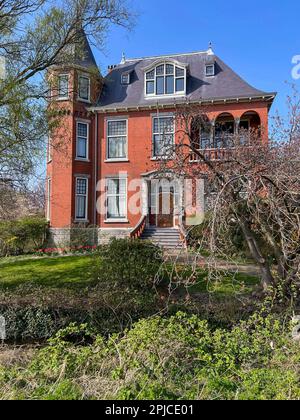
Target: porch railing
{"x":210,"y":154}
{"x":139,"y":229}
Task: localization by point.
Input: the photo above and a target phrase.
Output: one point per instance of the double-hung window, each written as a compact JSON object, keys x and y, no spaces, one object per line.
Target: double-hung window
{"x":84,"y":88}
{"x":163,"y":136}
{"x":117,"y":139}
{"x":81,"y":199}
{"x":82,"y":141}
{"x":116,"y":198}
{"x":63,"y":86}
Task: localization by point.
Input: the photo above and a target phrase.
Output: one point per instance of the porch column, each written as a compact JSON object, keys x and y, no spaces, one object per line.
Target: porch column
{"x":144,"y":197}
{"x":237,"y":125}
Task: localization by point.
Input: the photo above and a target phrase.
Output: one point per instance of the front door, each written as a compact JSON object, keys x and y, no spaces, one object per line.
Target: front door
{"x":165,"y":217}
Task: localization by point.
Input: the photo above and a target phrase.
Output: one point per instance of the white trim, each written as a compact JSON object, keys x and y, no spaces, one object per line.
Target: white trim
{"x":80,"y":158}
{"x":84,"y":76}
{"x":116,"y":159}
{"x":86,"y":178}
{"x":119,"y":219}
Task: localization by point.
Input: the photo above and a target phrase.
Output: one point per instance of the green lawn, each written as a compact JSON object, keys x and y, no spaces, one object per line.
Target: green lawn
{"x":56,"y":272}
{"x":75,"y":273}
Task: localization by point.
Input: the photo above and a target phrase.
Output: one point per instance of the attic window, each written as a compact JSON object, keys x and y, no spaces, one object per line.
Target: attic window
{"x":165,"y":79}
{"x":210,"y":70}
{"x":125,"y":79}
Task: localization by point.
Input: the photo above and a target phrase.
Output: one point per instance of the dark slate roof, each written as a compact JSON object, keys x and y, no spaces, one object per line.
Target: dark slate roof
{"x":84,"y":56}
{"x":226,"y":84}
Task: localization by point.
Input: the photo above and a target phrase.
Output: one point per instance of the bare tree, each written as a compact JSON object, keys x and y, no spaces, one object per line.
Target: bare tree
{"x":251,"y":186}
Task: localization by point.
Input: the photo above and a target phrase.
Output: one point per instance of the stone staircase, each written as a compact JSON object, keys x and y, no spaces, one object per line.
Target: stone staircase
{"x":166,"y":238}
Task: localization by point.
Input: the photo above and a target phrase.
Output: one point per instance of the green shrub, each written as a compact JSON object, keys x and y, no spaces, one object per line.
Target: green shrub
{"x":164,"y":358}
{"x":25,"y":235}
{"x":127,"y":263}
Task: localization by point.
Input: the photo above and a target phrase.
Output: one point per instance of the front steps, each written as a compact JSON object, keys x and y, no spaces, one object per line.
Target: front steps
{"x":165,"y":238}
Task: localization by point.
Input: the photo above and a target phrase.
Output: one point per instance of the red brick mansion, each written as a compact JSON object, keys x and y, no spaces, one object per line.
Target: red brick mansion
{"x":113,"y":129}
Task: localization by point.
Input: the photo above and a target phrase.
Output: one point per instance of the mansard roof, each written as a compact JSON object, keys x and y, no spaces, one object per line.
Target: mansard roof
{"x":225,"y":85}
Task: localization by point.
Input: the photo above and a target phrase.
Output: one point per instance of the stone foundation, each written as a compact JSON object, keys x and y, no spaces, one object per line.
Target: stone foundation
{"x":76,"y":237}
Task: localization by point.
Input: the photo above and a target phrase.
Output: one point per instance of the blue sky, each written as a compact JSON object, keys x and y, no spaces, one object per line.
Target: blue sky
{"x":257,"y":39}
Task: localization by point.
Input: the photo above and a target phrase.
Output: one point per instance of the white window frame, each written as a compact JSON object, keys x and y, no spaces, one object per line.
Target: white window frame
{"x":160,"y":116}
{"x":66,"y":97}
{"x":127,"y":76}
{"x":164,"y":63}
{"x":84,"y":76}
{"x":85,"y":178}
{"x":116,"y":159}
{"x":80,"y":158}
{"x":120,"y":219}
{"x":49,"y":186}
{"x":49,"y":150}
{"x":214,"y":70}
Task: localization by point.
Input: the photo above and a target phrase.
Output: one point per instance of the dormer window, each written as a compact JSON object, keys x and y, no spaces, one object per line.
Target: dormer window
{"x":210,"y":70}
{"x":125,"y":79}
{"x":165,"y":79}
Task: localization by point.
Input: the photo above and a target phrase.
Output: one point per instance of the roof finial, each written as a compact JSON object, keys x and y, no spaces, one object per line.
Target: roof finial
{"x":210,"y":49}
{"x":123,"y":61}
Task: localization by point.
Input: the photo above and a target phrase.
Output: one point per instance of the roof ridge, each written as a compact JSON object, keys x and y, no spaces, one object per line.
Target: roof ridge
{"x":165,"y":56}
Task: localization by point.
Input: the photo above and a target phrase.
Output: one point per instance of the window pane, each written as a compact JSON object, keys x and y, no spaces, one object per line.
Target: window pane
{"x":160,"y":85}
{"x":150,"y":75}
{"x":82,"y":130}
{"x":169,"y":84}
{"x":169,"y":69}
{"x":117,"y":128}
{"x":179,"y":85}
{"x":179,"y":72}
{"x":117,"y":147}
{"x":158,"y":149}
{"x":150,"y":88}
{"x":84,"y":88}
{"x":167,"y":125}
{"x":81,"y":147}
{"x":80,"y":207}
{"x":210,"y":70}
{"x":63,"y":86}
{"x":160,"y":70}
{"x":81,"y":186}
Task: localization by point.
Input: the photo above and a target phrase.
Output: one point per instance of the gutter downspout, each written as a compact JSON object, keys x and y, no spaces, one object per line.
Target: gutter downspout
{"x":96,"y":168}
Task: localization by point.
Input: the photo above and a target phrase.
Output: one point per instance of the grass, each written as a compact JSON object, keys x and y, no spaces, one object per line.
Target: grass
{"x":55,"y":272}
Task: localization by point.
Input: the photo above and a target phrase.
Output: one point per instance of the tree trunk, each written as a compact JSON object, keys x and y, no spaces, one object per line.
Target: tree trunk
{"x":266,"y":275}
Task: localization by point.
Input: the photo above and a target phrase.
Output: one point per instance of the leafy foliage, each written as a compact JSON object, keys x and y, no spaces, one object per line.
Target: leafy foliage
{"x":159,"y":358}
{"x":25,"y":235}
{"x":130,"y":263}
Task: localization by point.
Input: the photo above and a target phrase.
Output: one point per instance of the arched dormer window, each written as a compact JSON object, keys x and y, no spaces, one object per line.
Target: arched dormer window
{"x":165,"y":78}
